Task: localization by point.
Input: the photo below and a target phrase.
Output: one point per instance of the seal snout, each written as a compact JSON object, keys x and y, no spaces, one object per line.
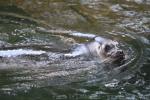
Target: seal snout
{"x":120,"y":54}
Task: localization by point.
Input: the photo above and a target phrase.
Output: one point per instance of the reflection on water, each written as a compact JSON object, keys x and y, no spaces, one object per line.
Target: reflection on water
{"x":47,"y":75}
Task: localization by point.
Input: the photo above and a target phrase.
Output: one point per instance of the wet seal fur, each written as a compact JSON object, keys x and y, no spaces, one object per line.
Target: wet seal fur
{"x":102,"y":48}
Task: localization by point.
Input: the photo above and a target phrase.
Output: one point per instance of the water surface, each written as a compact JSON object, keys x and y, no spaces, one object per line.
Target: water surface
{"x":47,"y":76}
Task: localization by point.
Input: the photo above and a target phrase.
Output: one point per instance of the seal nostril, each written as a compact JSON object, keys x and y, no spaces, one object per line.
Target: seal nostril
{"x":120,"y":53}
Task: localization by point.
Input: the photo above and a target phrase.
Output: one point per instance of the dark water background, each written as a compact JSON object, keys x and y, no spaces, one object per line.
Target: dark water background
{"x":46,"y":77}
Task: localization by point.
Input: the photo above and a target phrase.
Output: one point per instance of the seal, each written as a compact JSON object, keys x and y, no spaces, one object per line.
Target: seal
{"x":102,"y":48}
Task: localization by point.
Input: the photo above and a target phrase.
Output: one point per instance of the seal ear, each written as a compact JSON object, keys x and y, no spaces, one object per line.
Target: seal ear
{"x":99,"y":47}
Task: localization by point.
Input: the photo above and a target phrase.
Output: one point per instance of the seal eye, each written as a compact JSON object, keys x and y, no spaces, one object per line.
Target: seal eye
{"x":107,"y":48}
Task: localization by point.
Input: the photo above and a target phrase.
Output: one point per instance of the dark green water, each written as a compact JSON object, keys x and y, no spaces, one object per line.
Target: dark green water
{"x":46,"y":77}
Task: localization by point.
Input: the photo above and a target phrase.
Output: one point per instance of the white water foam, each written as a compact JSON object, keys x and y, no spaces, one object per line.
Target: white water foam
{"x":17,"y":52}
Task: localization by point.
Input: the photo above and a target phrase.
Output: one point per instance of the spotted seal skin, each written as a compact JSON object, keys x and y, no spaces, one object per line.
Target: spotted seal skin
{"x":102,"y":48}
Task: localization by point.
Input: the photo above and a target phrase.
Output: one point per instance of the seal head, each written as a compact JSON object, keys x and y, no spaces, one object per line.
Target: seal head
{"x":109,"y":49}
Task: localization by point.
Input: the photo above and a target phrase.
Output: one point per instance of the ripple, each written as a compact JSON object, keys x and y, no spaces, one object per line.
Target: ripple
{"x":28,"y":72}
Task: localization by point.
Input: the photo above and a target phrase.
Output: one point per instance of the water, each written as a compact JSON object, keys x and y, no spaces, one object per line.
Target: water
{"x":47,"y":76}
